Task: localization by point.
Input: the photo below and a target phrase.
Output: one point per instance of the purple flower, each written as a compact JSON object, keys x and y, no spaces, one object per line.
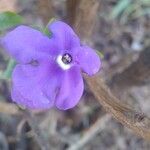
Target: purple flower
{"x":48,"y":72}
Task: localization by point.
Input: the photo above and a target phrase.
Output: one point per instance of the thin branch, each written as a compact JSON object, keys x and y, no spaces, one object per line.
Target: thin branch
{"x":96,"y":128}
{"x":12,"y":109}
{"x":39,"y":135}
{"x":9,"y":108}
{"x":125,"y":114}
{"x":45,"y":10}
{"x":129,"y":117}
{"x":84,"y":12}
{"x":71,"y":10}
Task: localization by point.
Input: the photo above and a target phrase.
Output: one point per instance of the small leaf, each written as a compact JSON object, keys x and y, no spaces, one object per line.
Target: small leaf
{"x":8,"y":20}
{"x":119,"y":8}
{"x":46,"y":30}
{"x":10,"y":66}
{"x":101,"y":55}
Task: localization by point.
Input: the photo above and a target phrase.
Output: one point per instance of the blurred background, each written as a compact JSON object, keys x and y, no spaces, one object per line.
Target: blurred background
{"x":121,"y":33}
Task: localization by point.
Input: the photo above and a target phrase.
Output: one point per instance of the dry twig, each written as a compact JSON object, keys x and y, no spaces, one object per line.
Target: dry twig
{"x":84,"y":12}
{"x":129,"y":117}
{"x":45,"y":10}
{"x":98,"y":126}
{"x":39,"y":135}
{"x":12,"y":109}
{"x":9,"y":108}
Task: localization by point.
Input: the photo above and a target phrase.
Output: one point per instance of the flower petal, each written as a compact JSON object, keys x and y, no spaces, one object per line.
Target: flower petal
{"x":88,"y":60}
{"x":25,"y":43}
{"x":35,"y":87}
{"x":64,"y":34}
{"x":71,"y":89}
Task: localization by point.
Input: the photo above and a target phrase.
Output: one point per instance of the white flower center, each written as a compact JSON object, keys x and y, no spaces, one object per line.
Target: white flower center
{"x":64,"y":61}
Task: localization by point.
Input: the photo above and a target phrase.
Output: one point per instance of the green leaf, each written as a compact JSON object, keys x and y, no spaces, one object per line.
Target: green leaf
{"x":10,"y":66}
{"x":8,"y":20}
{"x":101,"y":55}
{"x":119,"y":8}
{"x":128,"y":11}
{"x":46,"y":30}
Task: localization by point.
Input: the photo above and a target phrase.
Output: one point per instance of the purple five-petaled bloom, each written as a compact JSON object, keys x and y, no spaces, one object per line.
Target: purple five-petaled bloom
{"x":48,"y":72}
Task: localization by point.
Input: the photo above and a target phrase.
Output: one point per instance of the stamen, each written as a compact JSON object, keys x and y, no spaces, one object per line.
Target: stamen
{"x":66,"y":58}
{"x":64,"y":61}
